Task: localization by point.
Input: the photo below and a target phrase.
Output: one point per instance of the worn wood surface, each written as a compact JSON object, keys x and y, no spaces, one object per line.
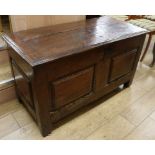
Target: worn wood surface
{"x":60,"y":69}
{"x":42,"y":45}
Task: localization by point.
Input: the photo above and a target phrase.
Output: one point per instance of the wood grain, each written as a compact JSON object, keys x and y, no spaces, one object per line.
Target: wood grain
{"x":69,"y":66}
{"x":48,"y":44}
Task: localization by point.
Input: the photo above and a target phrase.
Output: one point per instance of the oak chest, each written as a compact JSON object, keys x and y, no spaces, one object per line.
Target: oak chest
{"x":59,"y":69}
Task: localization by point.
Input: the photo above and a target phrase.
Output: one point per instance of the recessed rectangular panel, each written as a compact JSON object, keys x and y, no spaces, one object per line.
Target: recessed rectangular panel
{"x":22,"y":84}
{"x":122,"y":64}
{"x":72,"y":87}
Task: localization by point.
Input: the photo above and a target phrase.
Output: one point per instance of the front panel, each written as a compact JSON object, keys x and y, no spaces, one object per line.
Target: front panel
{"x":72,"y":87}
{"x":73,"y":79}
{"x":122,"y":64}
{"x":120,"y":59}
{"x":80,"y":79}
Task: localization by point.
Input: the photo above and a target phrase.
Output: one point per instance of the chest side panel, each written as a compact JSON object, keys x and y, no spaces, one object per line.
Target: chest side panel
{"x":22,"y":73}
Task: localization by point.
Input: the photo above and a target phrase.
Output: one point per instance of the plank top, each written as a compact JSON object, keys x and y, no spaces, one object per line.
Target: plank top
{"x":41,"y":45}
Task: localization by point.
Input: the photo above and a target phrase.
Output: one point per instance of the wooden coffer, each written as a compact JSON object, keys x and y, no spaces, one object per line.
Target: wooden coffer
{"x":52,"y":90}
{"x":74,"y":81}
